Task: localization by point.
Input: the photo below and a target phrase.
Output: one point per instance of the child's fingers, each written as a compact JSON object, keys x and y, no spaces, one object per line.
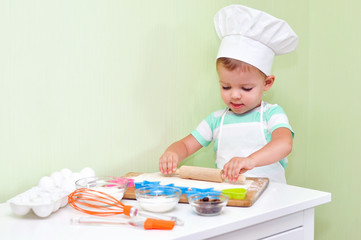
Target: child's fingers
{"x":168,"y":164}
{"x":233,"y":169}
{"x":172,"y":166}
{"x":163,"y":165}
{"x":234,"y":174}
{"x":228,"y":171}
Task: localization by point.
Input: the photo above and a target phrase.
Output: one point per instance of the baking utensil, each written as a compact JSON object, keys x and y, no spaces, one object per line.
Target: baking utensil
{"x":235,"y":193}
{"x":158,"y":198}
{"x":147,"y":223}
{"x":102,"y":204}
{"x":114,"y":186}
{"x":204,"y":174}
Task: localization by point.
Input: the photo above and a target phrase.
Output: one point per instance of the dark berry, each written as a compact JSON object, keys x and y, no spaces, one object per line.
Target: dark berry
{"x":205,"y":199}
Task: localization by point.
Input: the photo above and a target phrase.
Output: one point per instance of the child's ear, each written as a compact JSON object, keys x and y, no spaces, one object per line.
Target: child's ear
{"x":269,"y":82}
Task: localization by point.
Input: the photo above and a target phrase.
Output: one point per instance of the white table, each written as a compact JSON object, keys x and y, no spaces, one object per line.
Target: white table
{"x":282,"y":212}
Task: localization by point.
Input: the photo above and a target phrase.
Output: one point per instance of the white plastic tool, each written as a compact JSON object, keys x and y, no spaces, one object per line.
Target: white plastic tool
{"x":50,"y":194}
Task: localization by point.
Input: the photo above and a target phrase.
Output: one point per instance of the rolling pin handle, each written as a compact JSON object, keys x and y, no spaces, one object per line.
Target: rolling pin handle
{"x":221,"y":173}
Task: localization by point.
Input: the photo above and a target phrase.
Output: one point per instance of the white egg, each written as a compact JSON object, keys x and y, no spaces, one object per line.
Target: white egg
{"x":34,"y":189}
{"x":75,"y":177}
{"x":87,"y":172}
{"x":19,"y":199}
{"x":56,"y":192}
{"x":64,"y":201}
{"x":23,"y":197}
{"x":55,"y":196}
{"x":68,"y":185}
{"x":37,"y":200}
{"x":46,"y":183}
{"x":56,"y":205}
{"x":58,"y":178}
{"x":33,"y":195}
{"x":66,"y":172}
{"x":44,"y":195}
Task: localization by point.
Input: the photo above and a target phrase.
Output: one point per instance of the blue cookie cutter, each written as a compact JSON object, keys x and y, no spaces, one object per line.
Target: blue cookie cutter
{"x":185,"y":190}
{"x":146,"y":184}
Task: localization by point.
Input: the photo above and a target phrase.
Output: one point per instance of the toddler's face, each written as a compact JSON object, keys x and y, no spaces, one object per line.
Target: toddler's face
{"x":242,"y":91}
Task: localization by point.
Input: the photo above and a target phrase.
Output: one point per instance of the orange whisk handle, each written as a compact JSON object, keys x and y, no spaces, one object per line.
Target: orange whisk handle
{"x":152,"y":223}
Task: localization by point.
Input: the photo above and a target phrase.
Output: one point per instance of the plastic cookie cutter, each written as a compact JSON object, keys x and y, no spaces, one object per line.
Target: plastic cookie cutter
{"x":146,"y":184}
{"x":183,"y":189}
{"x":121,"y":180}
{"x":161,"y":190}
{"x":235,"y":193}
{"x":197,"y":191}
{"x":130,"y":182}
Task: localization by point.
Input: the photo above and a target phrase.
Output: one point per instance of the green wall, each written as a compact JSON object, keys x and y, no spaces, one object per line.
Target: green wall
{"x":110,"y":84}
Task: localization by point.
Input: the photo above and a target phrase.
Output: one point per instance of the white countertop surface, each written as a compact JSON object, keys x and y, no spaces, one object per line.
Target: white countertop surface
{"x":277,"y":200}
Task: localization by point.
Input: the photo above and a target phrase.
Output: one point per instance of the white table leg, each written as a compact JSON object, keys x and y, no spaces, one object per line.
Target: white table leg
{"x":309,"y":223}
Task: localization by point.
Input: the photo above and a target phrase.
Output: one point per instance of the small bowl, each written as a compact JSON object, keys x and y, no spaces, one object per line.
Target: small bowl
{"x":158,"y":198}
{"x":208,"y":204}
{"x":114,"y":186}
{"x":235,"y":193}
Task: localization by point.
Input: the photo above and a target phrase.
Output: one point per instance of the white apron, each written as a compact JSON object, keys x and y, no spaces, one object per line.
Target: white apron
{"x":243,"y":139}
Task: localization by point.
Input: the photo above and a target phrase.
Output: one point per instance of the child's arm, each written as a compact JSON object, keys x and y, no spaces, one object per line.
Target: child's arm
{"x":279,"y":147}
{"x":177,"y":152}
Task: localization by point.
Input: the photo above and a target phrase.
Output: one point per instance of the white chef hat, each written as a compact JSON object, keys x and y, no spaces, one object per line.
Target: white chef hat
{"x":253,"y":36}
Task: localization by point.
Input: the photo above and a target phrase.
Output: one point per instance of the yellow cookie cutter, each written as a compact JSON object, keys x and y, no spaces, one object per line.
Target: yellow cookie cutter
{"x":235,"y":193}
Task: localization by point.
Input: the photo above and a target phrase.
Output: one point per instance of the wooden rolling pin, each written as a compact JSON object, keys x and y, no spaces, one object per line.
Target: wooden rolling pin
{"x":204,"y":174}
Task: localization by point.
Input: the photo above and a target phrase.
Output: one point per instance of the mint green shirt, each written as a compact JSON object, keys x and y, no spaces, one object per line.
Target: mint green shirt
{"x":273,"y":117}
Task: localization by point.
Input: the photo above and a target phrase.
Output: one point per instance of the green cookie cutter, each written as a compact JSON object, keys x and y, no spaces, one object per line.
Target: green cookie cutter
{"x":235,"y":193}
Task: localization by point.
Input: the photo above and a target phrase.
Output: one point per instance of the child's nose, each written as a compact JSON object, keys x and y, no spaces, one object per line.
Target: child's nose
{"x":236,"y":94}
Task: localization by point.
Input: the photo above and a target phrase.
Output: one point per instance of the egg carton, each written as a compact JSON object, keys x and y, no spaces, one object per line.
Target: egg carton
{"x":50,"y":194}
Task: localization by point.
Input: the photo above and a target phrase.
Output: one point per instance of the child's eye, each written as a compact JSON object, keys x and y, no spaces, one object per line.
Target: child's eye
{"x":226,"y":88}
{"x":247,"y":89}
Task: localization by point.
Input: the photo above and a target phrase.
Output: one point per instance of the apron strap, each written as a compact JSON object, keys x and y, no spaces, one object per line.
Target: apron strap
{"x":261,"y":122}
{"x":220,"y":130}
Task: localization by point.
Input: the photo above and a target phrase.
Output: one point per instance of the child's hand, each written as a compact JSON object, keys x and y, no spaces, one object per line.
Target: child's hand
{"x":168,"y":162}
{"x":176,"y":152}
{"x":237,"y":166}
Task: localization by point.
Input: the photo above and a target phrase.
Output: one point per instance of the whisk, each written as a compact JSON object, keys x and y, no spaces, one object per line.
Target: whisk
{"x":102,"y":204}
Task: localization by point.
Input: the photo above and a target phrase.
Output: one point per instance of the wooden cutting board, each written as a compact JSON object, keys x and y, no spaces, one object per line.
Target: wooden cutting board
{"x":254,"y":191}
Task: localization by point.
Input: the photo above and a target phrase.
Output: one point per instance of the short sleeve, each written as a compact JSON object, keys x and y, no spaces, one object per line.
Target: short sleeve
{"x":204,"y":133}
{"x":277,"y":118}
